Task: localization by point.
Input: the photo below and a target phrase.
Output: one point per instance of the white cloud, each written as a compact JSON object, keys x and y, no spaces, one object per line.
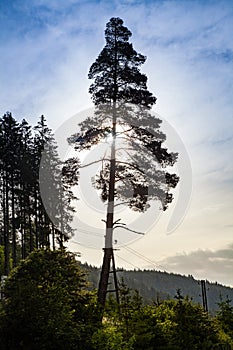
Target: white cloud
{"x":217,"y":265}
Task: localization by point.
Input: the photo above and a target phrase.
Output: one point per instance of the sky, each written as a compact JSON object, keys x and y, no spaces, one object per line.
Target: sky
{"x":47,"y":48}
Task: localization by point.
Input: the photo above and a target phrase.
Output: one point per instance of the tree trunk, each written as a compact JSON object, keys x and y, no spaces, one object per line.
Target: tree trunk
{"x":6,"y":227}
{"x":108,"y":250}
{"x":14,"y":243}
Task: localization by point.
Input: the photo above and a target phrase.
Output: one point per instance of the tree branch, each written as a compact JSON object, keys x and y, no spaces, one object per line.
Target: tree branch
{"x":94,"y":162}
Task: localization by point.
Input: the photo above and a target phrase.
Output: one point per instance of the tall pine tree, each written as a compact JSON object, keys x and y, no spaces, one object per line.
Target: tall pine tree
{"x":134,"y":171}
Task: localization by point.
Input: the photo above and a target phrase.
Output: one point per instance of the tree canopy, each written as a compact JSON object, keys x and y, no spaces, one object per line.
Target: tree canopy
{"x":116,"y":71}
{"x":134,"y":171}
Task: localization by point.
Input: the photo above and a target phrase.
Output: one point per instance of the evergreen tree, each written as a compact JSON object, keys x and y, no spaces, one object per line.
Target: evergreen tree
{"x":225,"y":316}
{"x":9,"y":173}
{"x":123,"y":103}
{"x":55,"y":187}
{"x":116,"y":71}
{"x":25,"y":190}
{"x":24,"y":222}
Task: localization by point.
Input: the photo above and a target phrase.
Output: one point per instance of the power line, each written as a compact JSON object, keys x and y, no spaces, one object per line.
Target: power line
{"x":91,"y":233}
{"x":83,"y":245}
{"x":129,"y":249}
{"x":127,"y":262}
{"x":136,"y":253}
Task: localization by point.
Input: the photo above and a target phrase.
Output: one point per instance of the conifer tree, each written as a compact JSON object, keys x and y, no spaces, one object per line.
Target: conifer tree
{"x":9,"y":149}
{"x":24,"y":222}
{"x":25,"y":189}
{"x":57,"y":215}
{"x":136,"y":175}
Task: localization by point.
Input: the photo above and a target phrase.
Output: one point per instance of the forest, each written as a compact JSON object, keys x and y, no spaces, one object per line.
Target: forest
{"x":154,"y":285}
{"x":24,"y":223}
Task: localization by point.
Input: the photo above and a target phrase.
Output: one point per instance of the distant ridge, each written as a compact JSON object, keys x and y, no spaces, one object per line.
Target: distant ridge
{"x":157,"y":285}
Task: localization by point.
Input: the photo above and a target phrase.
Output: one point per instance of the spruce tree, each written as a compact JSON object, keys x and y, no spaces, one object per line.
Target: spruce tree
{"x":24,"y":222}
{"x":9,"y":149}
{"x":54,"y":198}
{"x":26,"y":189}
{"x":122,"y":110}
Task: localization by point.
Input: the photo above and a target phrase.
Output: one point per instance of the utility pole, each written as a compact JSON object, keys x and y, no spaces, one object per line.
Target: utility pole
{"x":115,"y":281}
{"x":204,"y":295}
{"x":108,"y":262}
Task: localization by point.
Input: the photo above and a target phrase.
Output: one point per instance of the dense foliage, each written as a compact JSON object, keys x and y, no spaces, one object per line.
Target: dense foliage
{"x":46,"y":304}
{"x":176,"y":324}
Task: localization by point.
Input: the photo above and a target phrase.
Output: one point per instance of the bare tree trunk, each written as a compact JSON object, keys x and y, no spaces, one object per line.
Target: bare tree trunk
{"x":23,"y":233}
{"x":14,"y":244}
{"x":6,"y":227}
{"x":31,"y":242}
{"x":36,"y":218}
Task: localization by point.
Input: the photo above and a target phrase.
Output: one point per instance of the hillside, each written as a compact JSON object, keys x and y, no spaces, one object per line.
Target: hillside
{"x":156,"y":285}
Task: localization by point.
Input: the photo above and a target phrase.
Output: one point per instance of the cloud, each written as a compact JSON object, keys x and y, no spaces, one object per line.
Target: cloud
{"x":47,"y":38}
{"x":215,"y":265}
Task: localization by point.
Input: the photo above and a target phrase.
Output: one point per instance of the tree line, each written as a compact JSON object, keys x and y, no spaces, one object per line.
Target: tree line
{"x":24,"y":222}
{"x":155,"y":285}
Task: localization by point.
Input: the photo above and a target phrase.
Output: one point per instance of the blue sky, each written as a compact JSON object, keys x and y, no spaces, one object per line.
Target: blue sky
{"x":47,"y":48}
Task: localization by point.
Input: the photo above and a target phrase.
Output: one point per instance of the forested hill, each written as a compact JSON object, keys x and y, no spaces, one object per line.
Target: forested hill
{"x":156,"y":285}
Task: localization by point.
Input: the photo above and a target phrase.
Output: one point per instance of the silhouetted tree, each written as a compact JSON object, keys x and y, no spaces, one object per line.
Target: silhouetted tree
{"x":24,"y":222}
{"x":134,"y":171}
{"x":25,"y":189}
{"x":9,"y":173}
{"x":57,"y":215}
